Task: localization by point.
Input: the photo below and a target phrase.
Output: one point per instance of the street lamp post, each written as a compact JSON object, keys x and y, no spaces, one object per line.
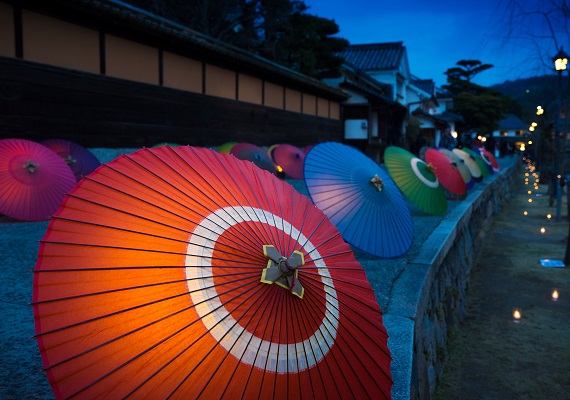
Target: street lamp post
{"x":560,"y":61}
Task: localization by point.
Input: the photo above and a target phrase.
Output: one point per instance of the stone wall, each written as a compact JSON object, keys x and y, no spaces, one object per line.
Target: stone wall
{"x":429,"y":297}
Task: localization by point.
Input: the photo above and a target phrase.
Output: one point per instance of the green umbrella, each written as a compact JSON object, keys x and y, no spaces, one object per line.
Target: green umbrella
{"x":480,"y":162}
{"x":166,"y":144}
{"x":226,"y":147}
{"x":416,"y":180}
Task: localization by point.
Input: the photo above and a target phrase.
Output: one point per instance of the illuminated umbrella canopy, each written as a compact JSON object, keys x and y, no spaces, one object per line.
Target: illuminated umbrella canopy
{"x":460,"y":164}
{"x":81,"y":161}
{"x":490,"y":160}
{"x":360,"y":198}
{"x":255,"y":154}
{"x":447,"y":172}
{"x":33,"y":180}
{"x":290,"y":158}
{"x":187,"y":273}
{"x":471,"y":164}
{"x":416,"y":180}
{"x":485,"y":173}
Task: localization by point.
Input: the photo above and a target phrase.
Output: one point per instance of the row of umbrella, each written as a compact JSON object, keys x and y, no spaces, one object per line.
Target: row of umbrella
{"x":34,"y":177}
{"x":367,"y":204}
{"x":187,"y":272}
{"x":278,"y":158}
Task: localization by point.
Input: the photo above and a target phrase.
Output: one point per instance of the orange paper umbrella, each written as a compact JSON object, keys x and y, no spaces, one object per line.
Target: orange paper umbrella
{"x":33,"y":180}
{"x":187,"y":273}
{"x":290,"y":158}
{"x":446,"y":172}
{"x":81,"y":161}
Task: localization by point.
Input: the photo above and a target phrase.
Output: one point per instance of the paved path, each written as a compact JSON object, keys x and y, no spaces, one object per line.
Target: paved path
{"x":492,"y":357}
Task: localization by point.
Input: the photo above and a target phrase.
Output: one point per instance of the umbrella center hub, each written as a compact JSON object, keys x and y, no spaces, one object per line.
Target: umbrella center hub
{"x":283,"y":271}
{"x":430,"y":168}
{"x":376,"y":181}
{"x":31,"y":166}
{"x":70,"y":160}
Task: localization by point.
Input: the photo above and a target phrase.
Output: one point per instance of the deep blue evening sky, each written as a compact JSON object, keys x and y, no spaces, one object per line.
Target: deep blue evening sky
{"x":438,"y":33}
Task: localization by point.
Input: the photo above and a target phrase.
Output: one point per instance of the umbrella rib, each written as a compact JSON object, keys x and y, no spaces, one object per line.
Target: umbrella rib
{"x":204,"y":217}
{"x":257,"y":309}
{"x":162,"y":341}
{"x":183,"y":205}
{"x":239,"y":187}
{"x":158,"y":251}
{"x":310,"y":316}
{"x":347,"y":315}
{"x":237,"y":248}
{"x":267,"y":233}
{"x":262,"y":292}
{"x":125,"y":289}
{"x":259,"y":288}
{"x":138,"y":306}
{"x":365,"y":351}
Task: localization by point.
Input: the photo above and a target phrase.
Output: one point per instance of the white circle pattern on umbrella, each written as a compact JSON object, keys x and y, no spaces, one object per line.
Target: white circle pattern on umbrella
{"x":217,"y":319}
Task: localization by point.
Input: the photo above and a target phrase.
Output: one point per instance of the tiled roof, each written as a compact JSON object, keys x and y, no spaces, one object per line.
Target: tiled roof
{"x":375,"y":56}
{"x":427,"y":85}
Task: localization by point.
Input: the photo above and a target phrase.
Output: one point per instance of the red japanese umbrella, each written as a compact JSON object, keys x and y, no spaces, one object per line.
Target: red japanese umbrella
{"x":489,"y":159}
{"x":290,"y":158}
{"x":255,"y":154}
{"x":460,"y":164}
{"x":446,"y":171}
{"x":416,"y":180}
{"x":81,"y":161}
{"x":187,"y":273}
{"x":33,"y":180}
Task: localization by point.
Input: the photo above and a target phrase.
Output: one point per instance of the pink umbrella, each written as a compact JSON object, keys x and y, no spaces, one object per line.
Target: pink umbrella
{"x":33,"y":180}
{"x":81,"y":161}
{"x":290,"y":158}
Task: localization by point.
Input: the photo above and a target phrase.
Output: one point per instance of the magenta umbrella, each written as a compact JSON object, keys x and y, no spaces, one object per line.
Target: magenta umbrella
{"x":290,"y":158}
{"x":81,"y":161}
{"x":33,"y":180}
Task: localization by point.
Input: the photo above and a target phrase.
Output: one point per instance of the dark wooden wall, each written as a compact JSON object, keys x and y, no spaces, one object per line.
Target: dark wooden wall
{"x":40,"y":102}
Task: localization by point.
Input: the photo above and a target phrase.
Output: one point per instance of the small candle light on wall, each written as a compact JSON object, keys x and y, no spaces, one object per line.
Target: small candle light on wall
{"x":525,"y":212}
{"x":517,"y":315}
{"x":548,"y":216}
{"x":555,"y":295}
{"x":543,"y":230}
{"x":530,"y":200}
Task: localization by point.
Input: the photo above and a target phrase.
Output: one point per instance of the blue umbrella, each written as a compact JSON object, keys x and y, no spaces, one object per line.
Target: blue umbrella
{"x":360,"y":199}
